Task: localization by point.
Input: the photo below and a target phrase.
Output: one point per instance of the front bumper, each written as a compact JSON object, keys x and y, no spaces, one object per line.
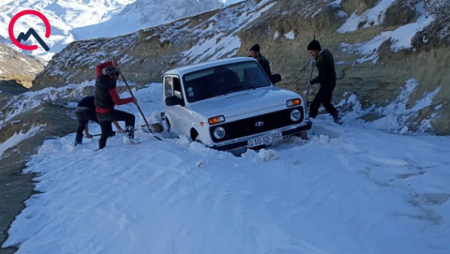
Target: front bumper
{"x":242,"y":142}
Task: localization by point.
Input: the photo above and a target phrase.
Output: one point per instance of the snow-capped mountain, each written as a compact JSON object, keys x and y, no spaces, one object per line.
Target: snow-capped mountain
{"x":146,"y":13}
{"x":85,"y":19}
{"x":63,"y":16}
{"x":228,"y":2}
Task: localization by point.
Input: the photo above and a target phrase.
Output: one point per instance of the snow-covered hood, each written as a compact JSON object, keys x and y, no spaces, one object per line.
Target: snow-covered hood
{"x":257,"y":101}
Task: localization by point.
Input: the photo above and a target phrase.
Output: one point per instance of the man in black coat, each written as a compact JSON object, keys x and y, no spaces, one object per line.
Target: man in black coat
{"x":85,"y":112}
{"x":255,"y":53}
{"x":324,"y":62}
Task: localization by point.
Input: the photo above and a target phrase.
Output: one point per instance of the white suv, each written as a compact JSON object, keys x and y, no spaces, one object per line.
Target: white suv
{"x":231,"y":103}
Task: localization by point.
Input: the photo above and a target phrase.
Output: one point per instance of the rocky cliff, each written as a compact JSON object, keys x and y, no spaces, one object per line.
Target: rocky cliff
{"x":15,"y":66}
{"x":371,"y":41}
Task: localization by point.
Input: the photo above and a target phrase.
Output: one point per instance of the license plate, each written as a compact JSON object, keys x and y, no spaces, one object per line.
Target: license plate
{"x":264,"y":140}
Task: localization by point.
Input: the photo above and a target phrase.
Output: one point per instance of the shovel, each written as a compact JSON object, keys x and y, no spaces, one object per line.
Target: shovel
{"x":137,"y":105}
{"x":308,"y":90}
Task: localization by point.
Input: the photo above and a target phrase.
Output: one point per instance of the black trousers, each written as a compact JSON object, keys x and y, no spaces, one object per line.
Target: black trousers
{"x":83,"y":118}
{"x":323,"y":96}
{"x":106,"y":119}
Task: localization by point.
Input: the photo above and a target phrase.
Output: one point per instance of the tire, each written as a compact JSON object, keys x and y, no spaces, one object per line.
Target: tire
{"x":194,"y":135}
{"x":168,"y":125}
{"x":303,"y":135}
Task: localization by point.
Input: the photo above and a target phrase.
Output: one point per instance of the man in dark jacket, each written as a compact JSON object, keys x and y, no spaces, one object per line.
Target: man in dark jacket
{"x":255,"y":53}
{"x":106,"y":98}
{"x":85,"y":112}
{"x":324,"y":62}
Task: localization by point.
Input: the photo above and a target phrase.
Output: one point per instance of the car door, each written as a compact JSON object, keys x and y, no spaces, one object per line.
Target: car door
{"x":178,"y":115}
{"x":171,"y":115}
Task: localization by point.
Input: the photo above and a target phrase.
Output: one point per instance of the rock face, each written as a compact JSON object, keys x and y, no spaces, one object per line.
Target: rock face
{"x":16,"y":66}
{"x":350,"y":6}
{"x":366,"y":37}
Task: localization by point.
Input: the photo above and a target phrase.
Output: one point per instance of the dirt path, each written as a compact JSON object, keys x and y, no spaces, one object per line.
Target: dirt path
{"x":15,"y":188}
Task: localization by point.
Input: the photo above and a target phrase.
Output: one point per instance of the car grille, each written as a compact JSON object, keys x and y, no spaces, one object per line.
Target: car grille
{"x":253,"y":125}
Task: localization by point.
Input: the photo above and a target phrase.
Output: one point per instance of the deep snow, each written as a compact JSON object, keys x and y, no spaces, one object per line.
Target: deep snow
{"x":346,"y":190}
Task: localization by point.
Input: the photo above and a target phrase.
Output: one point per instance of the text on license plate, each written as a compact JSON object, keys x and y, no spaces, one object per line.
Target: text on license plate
{"x":264,"y":140}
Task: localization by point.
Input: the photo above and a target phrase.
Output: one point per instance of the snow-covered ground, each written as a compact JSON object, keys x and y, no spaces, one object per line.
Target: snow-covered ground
{"x":346,"y":190}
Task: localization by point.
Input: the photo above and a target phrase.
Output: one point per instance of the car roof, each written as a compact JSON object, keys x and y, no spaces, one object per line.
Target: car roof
{"x":200,"y":66}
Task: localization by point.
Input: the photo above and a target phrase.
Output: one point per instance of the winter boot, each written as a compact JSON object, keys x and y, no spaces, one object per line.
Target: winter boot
{"x":337,"y":119}
{"x":128,"y":139}
{"x":78,"y":139}
{"x":101,"y":144}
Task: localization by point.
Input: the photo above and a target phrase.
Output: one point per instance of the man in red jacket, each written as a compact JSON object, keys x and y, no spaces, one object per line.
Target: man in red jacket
{"x":106,"y":98}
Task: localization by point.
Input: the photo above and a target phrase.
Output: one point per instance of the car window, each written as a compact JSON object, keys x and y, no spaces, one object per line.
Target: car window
{"x":223,"y":79}
{"x":177,"y":87}
{"x":168,"y":88}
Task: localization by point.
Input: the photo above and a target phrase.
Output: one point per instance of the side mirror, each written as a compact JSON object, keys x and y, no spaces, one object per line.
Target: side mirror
{"x":275,"y":78}
{"x":173,"y":101}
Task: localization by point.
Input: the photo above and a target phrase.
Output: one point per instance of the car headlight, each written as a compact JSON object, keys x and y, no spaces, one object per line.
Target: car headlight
{"x":219,"y":133}
{"x":216,"y":120}
{"x":295,"y":115}
{"x":293,"y":102}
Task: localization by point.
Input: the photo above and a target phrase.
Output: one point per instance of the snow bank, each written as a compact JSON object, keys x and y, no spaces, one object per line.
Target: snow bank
{"x":19,"y":137}
{"x":24,"y":102}
{"x":336,"y":193}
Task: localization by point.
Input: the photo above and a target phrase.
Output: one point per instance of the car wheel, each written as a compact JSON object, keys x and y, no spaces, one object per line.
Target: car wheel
{"x":194,"y":135}
{"x":168,"y":125}
{"x":303,"y":135}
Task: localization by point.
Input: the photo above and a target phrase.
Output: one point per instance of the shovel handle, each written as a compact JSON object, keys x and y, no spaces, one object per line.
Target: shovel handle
{"x":137,"y":105}
{"x":309,"y":85}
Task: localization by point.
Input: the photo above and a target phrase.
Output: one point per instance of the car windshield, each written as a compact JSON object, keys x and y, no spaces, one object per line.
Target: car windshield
{"x":223,"y":79}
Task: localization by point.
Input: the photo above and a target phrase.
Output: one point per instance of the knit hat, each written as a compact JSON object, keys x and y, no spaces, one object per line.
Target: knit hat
{"x":255,"y":48}
{"x":314,"y":45}
{"x":110,"y":70}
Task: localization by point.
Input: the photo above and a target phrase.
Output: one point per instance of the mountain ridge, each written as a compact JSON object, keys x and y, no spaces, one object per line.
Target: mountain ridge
{"x":283,"y":29}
